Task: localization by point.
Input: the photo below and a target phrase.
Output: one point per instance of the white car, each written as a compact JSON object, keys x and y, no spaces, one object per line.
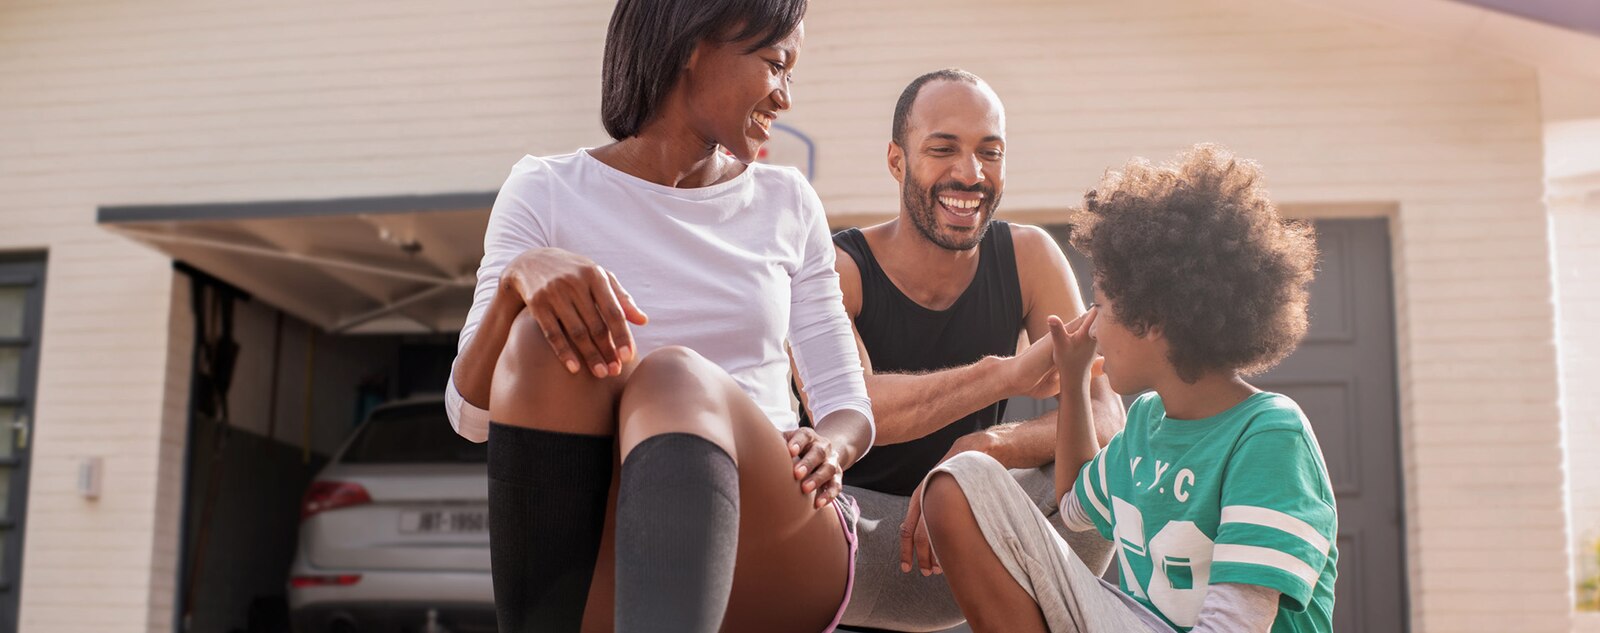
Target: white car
{"x":394,"y":532}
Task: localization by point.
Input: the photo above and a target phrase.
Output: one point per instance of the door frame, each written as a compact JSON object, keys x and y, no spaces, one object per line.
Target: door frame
{"x":29,"y":270}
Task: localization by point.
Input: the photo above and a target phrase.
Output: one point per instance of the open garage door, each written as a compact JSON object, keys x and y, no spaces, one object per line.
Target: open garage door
{"x":305,"y":316}
{"x":361,"y":265}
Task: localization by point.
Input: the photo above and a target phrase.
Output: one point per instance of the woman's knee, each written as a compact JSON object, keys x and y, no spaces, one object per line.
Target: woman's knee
{"x":674,"y":366}
{"x":672,"y":376}
{"x":676,"y":390}
{"x":532,"y":387}
{"x":527,"y":352}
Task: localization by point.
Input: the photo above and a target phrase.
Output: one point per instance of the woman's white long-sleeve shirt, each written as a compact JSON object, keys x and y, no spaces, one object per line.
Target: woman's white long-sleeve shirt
{"x":730,"y":271}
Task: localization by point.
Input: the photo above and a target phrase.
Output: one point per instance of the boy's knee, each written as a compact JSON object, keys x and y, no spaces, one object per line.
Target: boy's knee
{"x":942,"y":486}
{"x":943,"y":501}
{"x":974,"y":461}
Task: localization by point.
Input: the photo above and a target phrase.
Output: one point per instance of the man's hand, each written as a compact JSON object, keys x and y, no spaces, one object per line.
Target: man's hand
{"x":914,"y":531}
{"x":1034,"y":371}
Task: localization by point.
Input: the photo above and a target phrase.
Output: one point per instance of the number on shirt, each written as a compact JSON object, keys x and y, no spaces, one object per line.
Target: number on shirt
{"x":1180,"y":557}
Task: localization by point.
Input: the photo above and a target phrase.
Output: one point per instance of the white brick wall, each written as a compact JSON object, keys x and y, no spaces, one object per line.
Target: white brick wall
{"x":169,"y":101}
{"x":104,"y":390}
{"x":166,"y":552}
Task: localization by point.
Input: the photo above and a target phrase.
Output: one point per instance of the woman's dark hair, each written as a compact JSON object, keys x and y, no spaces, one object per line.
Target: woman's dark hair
{"x":649,"y":42}
{"x":1197,"y":249}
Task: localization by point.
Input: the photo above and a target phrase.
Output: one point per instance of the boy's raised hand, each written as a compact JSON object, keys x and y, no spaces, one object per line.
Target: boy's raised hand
{"x":1074,"y":350}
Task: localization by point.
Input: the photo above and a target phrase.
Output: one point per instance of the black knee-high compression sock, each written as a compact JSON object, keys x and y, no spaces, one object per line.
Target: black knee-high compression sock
{"x":677,"y":535}
{"x":547,"y":508}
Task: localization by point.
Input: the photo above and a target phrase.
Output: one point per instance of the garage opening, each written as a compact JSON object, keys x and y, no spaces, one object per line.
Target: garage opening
{"x":309,"y":318}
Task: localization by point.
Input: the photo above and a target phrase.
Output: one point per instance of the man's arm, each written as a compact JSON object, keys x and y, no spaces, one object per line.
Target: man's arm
{"x":1014,"y":444}
{"x":909,"y":406}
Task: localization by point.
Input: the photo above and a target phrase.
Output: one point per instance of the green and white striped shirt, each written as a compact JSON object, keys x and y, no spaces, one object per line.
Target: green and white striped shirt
{"x":1239,"y":497}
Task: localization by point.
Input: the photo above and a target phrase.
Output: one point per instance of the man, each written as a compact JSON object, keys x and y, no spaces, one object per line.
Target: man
{"x":940,"y":296}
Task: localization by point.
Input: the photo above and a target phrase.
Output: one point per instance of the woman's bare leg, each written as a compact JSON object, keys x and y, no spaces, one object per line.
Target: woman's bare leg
{"x":989,"y":597}
{"x":792,"y":559}
{"x":533,"y":389}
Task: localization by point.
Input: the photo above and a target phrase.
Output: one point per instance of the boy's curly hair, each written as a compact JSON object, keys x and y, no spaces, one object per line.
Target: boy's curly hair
{"x":1196,"y":248}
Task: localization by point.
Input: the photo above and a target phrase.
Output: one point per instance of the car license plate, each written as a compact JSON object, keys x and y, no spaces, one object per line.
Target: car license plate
{"x":444,"y":521}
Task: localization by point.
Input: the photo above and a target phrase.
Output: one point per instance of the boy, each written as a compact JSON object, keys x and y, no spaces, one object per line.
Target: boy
{"x":1215,"y":494}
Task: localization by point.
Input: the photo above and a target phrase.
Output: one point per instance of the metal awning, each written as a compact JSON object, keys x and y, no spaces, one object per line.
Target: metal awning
{"x":401,"y":264}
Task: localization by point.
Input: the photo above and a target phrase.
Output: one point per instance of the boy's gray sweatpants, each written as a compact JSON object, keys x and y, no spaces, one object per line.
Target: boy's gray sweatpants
{"x":1046,"y":565}
{"x":887,"y":598}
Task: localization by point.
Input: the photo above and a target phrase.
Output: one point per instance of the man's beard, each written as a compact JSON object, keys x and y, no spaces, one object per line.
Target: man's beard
{"x":923,"y":204}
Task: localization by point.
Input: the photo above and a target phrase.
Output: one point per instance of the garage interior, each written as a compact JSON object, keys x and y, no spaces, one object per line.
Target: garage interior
{"x":305,"y":316}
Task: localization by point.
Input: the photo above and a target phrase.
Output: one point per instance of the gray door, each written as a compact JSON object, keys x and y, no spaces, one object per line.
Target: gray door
{"x":21,"y":293}
{"x":1343,"y":375}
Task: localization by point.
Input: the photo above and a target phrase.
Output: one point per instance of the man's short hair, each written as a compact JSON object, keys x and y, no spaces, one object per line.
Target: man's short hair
{"x":908,"y":97}
{"x":649,"y":42}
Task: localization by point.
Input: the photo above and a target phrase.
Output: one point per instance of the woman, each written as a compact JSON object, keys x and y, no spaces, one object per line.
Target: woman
{"x":690,"y":406}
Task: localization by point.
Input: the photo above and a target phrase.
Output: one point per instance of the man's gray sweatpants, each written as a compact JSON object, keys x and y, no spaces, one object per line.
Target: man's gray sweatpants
{"x":887,"y":598}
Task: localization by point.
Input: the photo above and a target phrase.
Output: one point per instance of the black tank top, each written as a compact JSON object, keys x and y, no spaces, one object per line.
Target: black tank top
{"x":903,"y":337}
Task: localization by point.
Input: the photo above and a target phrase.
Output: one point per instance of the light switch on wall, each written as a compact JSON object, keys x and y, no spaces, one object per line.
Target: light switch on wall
{"x":89,"y":477}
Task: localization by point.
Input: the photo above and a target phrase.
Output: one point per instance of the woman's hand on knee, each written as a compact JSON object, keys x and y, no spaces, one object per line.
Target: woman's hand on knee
{"x":580,"y":307}
{"x":816,"y":464}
